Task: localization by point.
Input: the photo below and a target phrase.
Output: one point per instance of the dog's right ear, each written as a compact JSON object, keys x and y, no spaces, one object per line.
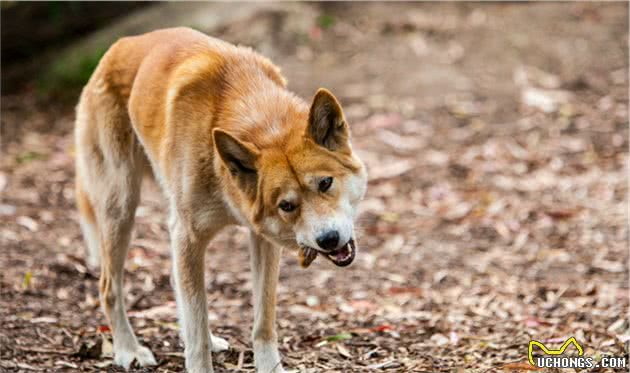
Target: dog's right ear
{"x":327,"y":125}
{"x":239,"y":157}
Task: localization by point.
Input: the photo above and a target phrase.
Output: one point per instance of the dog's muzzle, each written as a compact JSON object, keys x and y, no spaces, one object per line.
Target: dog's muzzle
{"x":341,"y":257}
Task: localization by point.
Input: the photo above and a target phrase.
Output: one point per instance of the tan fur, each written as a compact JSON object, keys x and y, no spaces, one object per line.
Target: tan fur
{"x":227,"y":142}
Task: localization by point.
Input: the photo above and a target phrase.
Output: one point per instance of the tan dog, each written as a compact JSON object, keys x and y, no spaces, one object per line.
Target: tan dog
{"x":229,"y":145}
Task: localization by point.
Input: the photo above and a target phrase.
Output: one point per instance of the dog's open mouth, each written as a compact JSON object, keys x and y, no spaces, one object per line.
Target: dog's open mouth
{"x":340,"y":257}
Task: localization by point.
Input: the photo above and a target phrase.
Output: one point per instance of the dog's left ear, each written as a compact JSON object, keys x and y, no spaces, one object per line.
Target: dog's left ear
{"x":239,"y":157}
{"x":326,"y":123}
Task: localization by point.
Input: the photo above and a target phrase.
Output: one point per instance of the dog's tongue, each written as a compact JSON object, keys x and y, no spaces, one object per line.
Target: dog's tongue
{"x":307,"y":255}
{"x":345,"y":255}
{"x":342,"y":253}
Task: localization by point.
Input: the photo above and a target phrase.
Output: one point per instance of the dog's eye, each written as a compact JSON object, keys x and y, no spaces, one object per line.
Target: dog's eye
{"x":325,"y":184}
{"x":287,"y":206}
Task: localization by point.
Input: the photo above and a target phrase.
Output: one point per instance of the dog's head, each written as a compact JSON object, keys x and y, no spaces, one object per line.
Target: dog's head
{"x":302,"y":191}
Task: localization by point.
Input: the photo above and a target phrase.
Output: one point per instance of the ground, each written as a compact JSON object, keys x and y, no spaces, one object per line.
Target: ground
{"x":496,"y":139}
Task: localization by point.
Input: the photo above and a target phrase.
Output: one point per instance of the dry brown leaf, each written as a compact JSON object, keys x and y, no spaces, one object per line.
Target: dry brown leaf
{"x":518,"y":366}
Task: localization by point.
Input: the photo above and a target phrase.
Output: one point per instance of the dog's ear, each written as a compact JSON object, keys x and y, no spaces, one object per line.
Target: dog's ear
{"x":239,"y":157}
{"x":326,"y":123}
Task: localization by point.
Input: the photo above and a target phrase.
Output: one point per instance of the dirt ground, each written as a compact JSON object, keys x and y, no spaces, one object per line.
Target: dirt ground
{"x":496,"y":139}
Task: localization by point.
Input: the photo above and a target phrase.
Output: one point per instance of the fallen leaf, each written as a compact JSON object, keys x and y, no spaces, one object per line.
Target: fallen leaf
{"x":107,"y":350}
{"x":561,"y":214}
{"x":26,"y":282}
{"x":90,"y":350}
{"x":363,"y":305}
{"x":343,"y":351}
{"x":440,"y":339}
{"x":546,"y":100}
{"x":27,"y":223}
{"x":339,"y":337}
{"x":44,"y":320}
{"x":518,"y":365}
{"x":396,"y":290}
{"x":382,"y":328}
{"x":66,"y":364}
{"x":532,"y":322}
{"x":103,"y":364}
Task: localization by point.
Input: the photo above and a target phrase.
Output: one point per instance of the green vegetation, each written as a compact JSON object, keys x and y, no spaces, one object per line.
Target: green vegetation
{"x":70,"y":72}
{"x":325,"y":21}
{"x":29,"y":156}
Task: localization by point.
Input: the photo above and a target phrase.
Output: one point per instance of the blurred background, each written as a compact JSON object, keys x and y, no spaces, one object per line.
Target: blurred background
{"x":496,"y":139}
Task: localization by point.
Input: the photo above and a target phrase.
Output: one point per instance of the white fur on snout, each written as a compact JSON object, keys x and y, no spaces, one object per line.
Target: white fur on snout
{"x":352,"y":188}
{"x":316,"y":225}
{"x":342,"y":223}
{"x":305,"y":234}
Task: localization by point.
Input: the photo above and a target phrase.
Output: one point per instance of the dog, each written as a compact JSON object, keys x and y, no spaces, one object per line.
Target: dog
{"x":215,"y":126}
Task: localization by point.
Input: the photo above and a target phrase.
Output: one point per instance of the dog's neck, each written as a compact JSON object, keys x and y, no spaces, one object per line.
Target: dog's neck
{"x":263,"y":112}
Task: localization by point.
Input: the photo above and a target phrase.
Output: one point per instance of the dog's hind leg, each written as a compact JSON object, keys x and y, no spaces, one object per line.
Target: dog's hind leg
{"x":265,"y":262}
{"x":115,"y":233}
{"x":110,"y":165}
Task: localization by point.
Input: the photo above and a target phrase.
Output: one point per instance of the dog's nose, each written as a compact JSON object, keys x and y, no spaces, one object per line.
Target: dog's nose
{"x":328,"y":240}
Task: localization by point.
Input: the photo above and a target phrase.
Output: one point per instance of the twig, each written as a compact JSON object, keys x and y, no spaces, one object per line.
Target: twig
{"x":45,"y":350}
{"x":241,"y":360}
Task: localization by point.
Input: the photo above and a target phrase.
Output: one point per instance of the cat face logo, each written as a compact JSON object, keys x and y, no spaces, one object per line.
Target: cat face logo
{"x":547,"y":351}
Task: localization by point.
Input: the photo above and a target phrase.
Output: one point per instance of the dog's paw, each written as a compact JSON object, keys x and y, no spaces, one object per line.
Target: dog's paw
{"x":124,"y":357}
{"x":198,"y":365}
{"x":218,"y":343}
{"x":267,"y":358}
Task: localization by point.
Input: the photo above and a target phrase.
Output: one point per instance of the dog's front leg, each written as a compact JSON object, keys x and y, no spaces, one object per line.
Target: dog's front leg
{"x":188,"y":266}
{"x":265,"y":260}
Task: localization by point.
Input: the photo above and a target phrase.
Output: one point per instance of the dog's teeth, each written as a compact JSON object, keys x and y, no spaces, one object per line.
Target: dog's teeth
{"x":307,"y":256}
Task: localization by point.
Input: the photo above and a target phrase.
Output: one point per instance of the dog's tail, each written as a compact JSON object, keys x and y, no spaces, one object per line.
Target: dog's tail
{"x":87,"y":221}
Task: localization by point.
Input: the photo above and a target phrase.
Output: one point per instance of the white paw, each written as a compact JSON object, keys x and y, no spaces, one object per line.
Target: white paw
{"x":124,"y":357}
{"x":198,"y":366}
{"x":267,"y":358}
{"x":218,"y":343}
